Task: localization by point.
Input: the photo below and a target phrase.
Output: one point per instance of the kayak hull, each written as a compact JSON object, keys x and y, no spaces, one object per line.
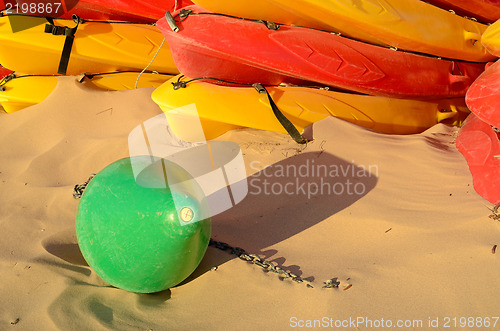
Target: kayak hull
{"x":487,"y":11}
{"x":126,"y":10}
{"x":480,"y":145}
{"x":249,"y":52}
{"x":27,"y":91}
{"x":97,"y":47}
{"x":483,"y":97}
{"x":405,"y":24}
{"x":491,"y":38}
{"x":4,"y":72}
{"x":137,"y":11}
{"x":222,"y":108}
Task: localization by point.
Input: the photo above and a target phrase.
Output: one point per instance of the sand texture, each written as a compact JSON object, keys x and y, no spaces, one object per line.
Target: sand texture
{"x":413,"y":242}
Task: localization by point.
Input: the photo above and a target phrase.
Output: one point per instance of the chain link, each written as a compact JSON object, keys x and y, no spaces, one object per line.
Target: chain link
{"x":496,"y":214}
{"x":80,"y":188}
{"x":255,"y":259}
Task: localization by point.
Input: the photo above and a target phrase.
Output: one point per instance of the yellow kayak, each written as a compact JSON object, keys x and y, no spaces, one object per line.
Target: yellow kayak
{"x":406,"y":24}
{"x":120,"y":81}
{"x":24,"y":91}
{"x":222,"y":108}
{"x":97,"y":47}
{"x":491,"y":38}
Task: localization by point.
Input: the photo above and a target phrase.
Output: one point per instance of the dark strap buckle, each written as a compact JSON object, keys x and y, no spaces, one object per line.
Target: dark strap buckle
{"x":185,"y":12}
{"x":259,"y":87}
{"x":270,"y":25}
{"x":179,"y":85}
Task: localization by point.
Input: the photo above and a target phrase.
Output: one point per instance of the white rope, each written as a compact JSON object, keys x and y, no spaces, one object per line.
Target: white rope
{"x":158,"y":51}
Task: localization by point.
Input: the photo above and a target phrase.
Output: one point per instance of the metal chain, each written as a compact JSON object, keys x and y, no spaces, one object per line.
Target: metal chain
{"x":496,"y":213}
{"x":79,"y":189}
{"x":254,"y":259}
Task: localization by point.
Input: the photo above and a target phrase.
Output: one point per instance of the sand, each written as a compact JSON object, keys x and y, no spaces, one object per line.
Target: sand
{"x":412,"y":243}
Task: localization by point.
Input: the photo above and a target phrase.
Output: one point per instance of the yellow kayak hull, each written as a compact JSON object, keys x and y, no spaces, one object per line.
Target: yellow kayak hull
{"x":222,"y":108}
{"x":122,"y":81}
{"x":491,"y":39}
{"x":25,"y":91}
{"x":21,"y":93}
{"x":406,"y":24}
{"x":97,"y":47}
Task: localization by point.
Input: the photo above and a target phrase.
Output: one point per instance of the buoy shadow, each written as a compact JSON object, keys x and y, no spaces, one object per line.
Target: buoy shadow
{"x":64,"y":245}
{"x":285,"y":199}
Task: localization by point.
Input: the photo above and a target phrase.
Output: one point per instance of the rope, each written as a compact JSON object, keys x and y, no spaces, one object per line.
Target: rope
{"x":12,"y":76}
{"x":182,"y":84}
{"x":150,"y":63}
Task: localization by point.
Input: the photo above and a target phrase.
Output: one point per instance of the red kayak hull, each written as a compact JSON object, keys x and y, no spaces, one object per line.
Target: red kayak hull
{"x":480,"y":145}
{"x":487,"y":11}
{"x":483,"y":97}
{"x":4,"y":72}
{"x":244,"y":51}
{"x":138,"y":11}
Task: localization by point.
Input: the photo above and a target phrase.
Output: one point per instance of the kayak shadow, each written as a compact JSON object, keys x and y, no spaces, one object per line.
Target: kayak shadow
{"x":285,"y":199}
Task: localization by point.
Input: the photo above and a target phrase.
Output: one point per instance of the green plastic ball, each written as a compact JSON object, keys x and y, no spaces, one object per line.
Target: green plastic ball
{"x":139,"y":234}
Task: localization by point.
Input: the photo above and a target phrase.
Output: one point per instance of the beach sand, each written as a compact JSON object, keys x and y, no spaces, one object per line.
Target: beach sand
{"x":411,"y":241}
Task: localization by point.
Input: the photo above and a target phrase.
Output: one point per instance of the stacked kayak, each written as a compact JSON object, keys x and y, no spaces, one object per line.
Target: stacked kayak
{"x":294,"y":55}
{"x":21,"y":91}
{"x":480,"y":145}
{"x":111,"y":10}
{"x":483,"y":97}
{"x":4,"y":72}
{"x":326,"y":52}
{"x":479,"y":138}
{"x":97,"y":47}
{"x":406,"y":24}
{"x":245,"y":107}
{"x":47,"y":46}
{"x":491,"y":38}
{"x":487,"y":11}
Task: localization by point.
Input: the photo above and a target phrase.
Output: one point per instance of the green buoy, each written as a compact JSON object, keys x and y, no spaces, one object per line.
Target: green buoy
{"x":140,"y":232}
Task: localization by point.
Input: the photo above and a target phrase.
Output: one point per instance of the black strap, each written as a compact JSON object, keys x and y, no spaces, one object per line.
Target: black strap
{"x":285,"y":122}
{"x":68,"y":43}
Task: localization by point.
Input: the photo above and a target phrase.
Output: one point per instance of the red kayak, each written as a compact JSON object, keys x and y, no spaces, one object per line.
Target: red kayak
{"x":480,"y":145}
{"x":483,"y":97}
{"x":246,"y":51}
{"x":487,"y":11}
{"x":139,"y":11}
{"x":4,"y":72}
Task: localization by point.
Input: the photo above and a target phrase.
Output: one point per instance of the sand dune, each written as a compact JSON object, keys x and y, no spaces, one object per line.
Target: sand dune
{"x":413,"y":242}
